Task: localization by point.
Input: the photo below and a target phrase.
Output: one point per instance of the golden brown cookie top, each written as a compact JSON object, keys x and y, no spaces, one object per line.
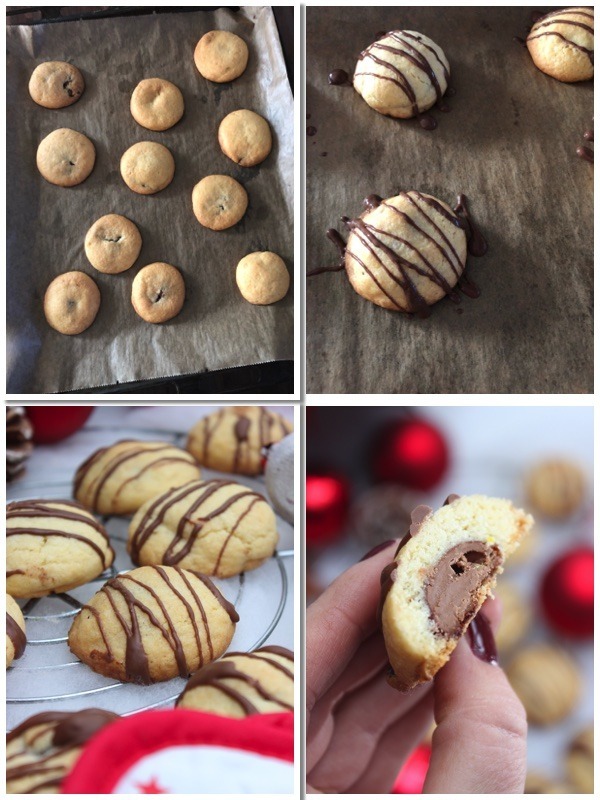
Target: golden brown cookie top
{"x":71,"y":303}
{"x":65,"y":157}
{"x":158,"y":292}
{"x":156,"y":104}
{"x":56,"y":84}
{"x":221,"y":56}
{"x":219,"y":202}
{"x":262,"y":278}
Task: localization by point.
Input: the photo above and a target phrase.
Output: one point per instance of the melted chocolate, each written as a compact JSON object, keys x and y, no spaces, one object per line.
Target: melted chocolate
{"x":477,"y":245}
{"x":427,"y":122}
{"x":311,"y":130}
{"x":586,"y":153}
{"x":370,"y":202}
{"x":339,"y":77}
{"x":16,"y":634}
{"x":588,"y":136}
{"x":337,"y":240}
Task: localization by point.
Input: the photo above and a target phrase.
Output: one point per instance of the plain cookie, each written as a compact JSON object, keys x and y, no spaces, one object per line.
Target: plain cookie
{"x":219,"y":202}
{"x":15,"y":631}
{"x":561,"y":44}
{"x":245,"y":137}
{"x":156,"y":104}
{"x":56,"y":84}
{"x":221,"y":56}
{"x":113,"y":244}
{"x":65,"y":157}
{"x":147,"y":167}
{"x":71,"y":303}
{"x":158,"y":292}
{"x":556,"y":487}
{"x":262,"y":278}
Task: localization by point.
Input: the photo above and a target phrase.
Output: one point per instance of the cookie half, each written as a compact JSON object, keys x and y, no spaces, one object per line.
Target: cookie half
{"x":56,"y":84}
{"x":15,"y":631}
{"x":561,"y":44}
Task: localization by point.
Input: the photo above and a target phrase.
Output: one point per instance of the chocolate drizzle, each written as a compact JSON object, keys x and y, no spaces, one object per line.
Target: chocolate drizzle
{"x":337,"y":240}
{"x":339,"y":77}
{"x":476,"y":244}
{"x":16,"y":634}
{"x":586,"y":152}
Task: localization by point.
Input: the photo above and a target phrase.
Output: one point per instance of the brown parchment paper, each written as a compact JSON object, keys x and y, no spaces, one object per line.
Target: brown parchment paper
{"x":509,"y":144}
{"x":46,"y":225}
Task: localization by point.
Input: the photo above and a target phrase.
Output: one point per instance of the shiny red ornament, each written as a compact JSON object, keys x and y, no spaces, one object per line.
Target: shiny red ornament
{"x":327,"y":500}
{"x":411,"y":452}
{"x":411,"y":777}
{"x":54,"y":423}
{"x":567,"y":593}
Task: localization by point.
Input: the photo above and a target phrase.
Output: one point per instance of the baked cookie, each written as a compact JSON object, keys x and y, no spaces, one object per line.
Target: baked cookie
{"x":245,"y":137}
{"x":221,"y":56}
{"x":561,"y":44}
{"x":215,"y":527}
{"x":516,"y":615}
{"x":580,"y":761}
{"x":52,"y":546}
{"x":153,"y":624}
{"x":71,"y":303}
{"x":279,"y":477}
{"x":442,"y":572}
{"x":536,"y":783}
{"x":242,"y":684}
{"x":556,"y":487}
{"x":147,"y":167}
{"x":120,"y":478}
{"x":262,"y":278}
{"x":56,"y":84}
{"x":65,"y":157}
{"x":15,"y":631}
{"x":156,"y":104}
{"x":232,"y":439}
{"x":41,"y":751}
{"x":158,"y":292}
{"x":402,"y":74}
{"x":219,"y":202}
{"x":112,"y":244}
{"x":547,"y":682}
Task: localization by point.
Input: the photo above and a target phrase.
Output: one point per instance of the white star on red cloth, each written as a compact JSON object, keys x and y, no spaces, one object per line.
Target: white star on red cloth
{"x":151,"y":787}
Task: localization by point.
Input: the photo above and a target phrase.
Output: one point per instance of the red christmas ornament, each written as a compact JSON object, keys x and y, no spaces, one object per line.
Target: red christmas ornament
{"x":327,"y":499}
{"x":411,"y":777}
{"x":411,"y":452}
{"x":567,"y":593}
{"x":53,"y":423}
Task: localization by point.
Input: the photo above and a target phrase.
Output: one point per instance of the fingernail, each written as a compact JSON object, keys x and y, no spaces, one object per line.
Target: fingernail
{"x":481,"y":639}
{"x":377,"y":549}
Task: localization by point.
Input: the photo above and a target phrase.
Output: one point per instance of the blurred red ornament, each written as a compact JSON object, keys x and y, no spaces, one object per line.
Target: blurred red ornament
{"x":411,"y":777}
{"x":53,"y":423}
{"x":567,"y":593}
{"x":411,"y":452}
{"x":327,"y":499}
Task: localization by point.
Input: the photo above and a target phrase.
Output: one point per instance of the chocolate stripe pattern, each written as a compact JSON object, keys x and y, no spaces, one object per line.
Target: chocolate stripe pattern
{"x":16,"y":635}
{"x":564,"y":25}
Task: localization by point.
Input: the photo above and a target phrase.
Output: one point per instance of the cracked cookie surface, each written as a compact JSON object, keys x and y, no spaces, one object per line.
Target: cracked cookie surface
{"x":156,"y":104}
{"x":147,"y":167}
{"x":219,"y":202}
{"x":221,"y":56}
{"x":56,"y":84}
{"x":158,"y":292}
{"x":245,"y":137}
{"x":65,"y":157}
{"x":113,"y":244}
{"x":71,"y":303}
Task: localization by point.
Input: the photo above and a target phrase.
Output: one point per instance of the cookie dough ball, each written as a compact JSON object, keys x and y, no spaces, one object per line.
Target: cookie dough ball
{"x":580,"y":761}
{"x":65,"y":157}
{"x":156,"y":104}
{"x":443,"y":571}
{"x":113,"y":244}
{"x":232,"y":439}
{"x":219,"y":202}
{"x":121,"y":478}
{"x":52,"y":546}
{"x":158,"y":292}
{"x":402,"y":74}
{"x":262,"y":278}
{"x":516,"y":615}
{"x":221,"y":56}
{"x":153,"y":624}
{"x":15,"y":631}
{"x":147,"y":167}
{"x":547,"y":682}
{"x":406,"y":253}
{"x":561,"y":44}
{"x":56,"y":84}
{"x":215,"y":527}
{"x":71,"y":303}
{"x":245,"y":137}
{"x":279,"y":477}
{"x":242,"y":684}
{"x":556,"y":488}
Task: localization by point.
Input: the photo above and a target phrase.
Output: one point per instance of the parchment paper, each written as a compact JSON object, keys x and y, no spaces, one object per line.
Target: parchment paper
{"x":509,"y":144}
{"x":46,"y":224}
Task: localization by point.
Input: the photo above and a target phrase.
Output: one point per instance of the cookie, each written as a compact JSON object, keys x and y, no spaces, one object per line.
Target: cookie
{"x":442,"y":572}
{"x":120,"y":478}
{"x":15,"y":631}
{"x":245,"y":137}
{"x":219,"y":202}
{"x":402,"y":74}
{"x":41,"y":751}
{"x":547,"y":682}
{"x":147,"y":167}
{"x":65,"y":157}
{"x":279,"y":477}
{"x":556,"y":488}
{"x":561,"y":44}
{"x":156,"y":104}
{"x":536,"y":783}
{"x":153,"y":624}
{"x":158,"y":292}
{"x":19,"y":441}
{"x":580,"y":761}
{"x":262,"y":278}
{"x":52,"y":546}
{"x":221,"y":56}
{"x":242,"y":684}
{"x":215,"y":527}
{"x":516,"y":615}
{"x":113,"y":244}
{"x":232,"y":439}
{"x":71,"y":303}
{"x":56,"y":84}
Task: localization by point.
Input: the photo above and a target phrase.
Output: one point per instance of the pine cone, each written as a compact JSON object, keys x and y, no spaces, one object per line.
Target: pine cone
{"x":19,"y":444}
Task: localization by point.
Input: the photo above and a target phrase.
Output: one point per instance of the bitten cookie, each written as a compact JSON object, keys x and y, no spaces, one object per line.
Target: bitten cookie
{"x":232,"y":439}
{"x":147,"y":167}
{"x":262,"y":278}
{"x":219,"y":202}
{"x":71,"y":303}
{"x":15,"y":631}
{"x":121,"y":478}
{"x":245,"y":137}
{"x":56,"y":84}
{"x":153,"y":624}
{"x":443,"y":571}
{"x":556,"y":487}
{"x":242,"y":684}
{"x":402,"y":74}
{"x":113,"y":244}
{"x":42,"y":750}
{"x":158,"y":292}
{"x":215,"y":527}
{"x":561,"y":44}
{"x":65,"y":157}
{"x":580,"y":761}
{"x":156,"y":104}
{"x":52,"y":546}
{"x":221,"y":56}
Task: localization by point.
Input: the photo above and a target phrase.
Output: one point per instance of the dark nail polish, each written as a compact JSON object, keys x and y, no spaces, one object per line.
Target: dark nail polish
{"x":377,"y":549}
{"x":481,"y":639}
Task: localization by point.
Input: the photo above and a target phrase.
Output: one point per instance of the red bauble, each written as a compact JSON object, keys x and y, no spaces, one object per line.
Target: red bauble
{"x":411,"y":777}
{"x":327,"y":499}
{"x":411,"y":452}
{"x":53,"y":423}
{"x":567,"y":593}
